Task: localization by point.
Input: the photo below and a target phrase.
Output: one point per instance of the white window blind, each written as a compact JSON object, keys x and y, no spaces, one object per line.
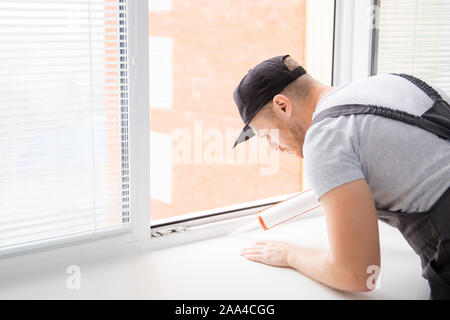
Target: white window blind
{"x":64,"y":171}
{"x":414,"y":38}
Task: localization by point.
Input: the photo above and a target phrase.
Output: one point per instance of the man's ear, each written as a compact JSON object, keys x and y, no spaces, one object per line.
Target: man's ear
{"x":282,"y":105}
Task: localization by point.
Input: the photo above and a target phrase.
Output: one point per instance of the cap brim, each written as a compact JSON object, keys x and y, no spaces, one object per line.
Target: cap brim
{"x":246,"y":134}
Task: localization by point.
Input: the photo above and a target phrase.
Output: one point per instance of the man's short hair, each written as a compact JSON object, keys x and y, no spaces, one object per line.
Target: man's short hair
{"x":298,"y":89}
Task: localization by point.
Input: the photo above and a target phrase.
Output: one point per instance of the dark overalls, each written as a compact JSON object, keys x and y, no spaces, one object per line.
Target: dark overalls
{"x":427,"y":232}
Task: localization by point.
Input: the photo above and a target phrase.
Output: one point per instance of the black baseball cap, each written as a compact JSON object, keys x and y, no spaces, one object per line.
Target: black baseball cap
{"x":259,"y":86}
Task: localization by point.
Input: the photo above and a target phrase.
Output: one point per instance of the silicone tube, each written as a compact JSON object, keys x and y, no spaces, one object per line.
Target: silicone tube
{"x":282,"y":211}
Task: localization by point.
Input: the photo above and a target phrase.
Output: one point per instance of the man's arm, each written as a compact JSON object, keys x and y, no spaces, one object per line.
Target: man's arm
{"x":353,"y":242}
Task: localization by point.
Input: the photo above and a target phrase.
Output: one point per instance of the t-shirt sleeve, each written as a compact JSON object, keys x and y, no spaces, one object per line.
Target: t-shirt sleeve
{"x":331,"y":159}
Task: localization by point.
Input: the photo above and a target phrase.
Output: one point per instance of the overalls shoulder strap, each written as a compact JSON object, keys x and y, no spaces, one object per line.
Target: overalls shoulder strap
{"x":427,"y":232}
{"x":436,"y":119}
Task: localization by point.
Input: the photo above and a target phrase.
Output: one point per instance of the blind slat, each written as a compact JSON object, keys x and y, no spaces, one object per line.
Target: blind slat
{"x":59,"y":228}
{"x":63,"y":120}
{"x":60,"y":175}
{"x":414,"y":38}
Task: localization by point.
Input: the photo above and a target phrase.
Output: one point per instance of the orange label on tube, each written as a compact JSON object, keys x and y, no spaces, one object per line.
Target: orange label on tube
{"x":262,"y":223}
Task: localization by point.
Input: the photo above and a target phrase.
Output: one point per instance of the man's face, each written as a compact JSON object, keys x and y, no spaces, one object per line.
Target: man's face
{"x":284,"y":133}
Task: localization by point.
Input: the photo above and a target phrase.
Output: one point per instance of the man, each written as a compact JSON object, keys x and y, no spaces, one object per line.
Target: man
{"x":377,"y":148}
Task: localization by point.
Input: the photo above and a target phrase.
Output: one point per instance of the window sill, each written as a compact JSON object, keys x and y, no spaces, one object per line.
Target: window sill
{"x":203,"y":227}
{"x":213,"y":269}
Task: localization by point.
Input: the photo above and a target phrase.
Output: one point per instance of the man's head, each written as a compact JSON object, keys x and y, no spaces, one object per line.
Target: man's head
{"x":288,"y":110}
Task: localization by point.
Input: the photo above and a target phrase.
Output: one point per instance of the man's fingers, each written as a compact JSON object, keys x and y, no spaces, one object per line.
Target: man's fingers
{"x":273,"y":253}
{"x":251,"y":251}
{"x":255,"y":252}
{"x":254,"y":247}
{"x":260,"y":242}
{"x":253,"y":256}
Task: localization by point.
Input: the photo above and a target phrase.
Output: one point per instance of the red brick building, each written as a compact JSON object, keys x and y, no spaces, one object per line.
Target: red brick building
{"x":212,"y":45}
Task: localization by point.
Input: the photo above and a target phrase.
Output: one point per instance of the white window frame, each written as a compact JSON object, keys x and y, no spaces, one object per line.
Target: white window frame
{"x":139,"y":137}
{"x":353,"y":41}
{"x":319,"y":56}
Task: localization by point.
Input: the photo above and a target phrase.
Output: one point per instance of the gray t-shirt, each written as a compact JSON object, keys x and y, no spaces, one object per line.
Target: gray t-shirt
{"x":407,"y":168}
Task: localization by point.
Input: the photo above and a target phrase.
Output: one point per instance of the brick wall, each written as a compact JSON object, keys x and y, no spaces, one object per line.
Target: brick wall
{"x":214,"y":44}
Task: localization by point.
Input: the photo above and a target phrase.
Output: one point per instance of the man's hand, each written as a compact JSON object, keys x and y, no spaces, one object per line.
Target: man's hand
{"x":353,"y":242}
{"x":274,"y":253}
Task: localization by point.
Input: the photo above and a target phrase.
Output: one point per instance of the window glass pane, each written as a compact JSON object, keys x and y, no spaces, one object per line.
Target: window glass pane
{"x":199,"y":51}
{"x":63,"y":120}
